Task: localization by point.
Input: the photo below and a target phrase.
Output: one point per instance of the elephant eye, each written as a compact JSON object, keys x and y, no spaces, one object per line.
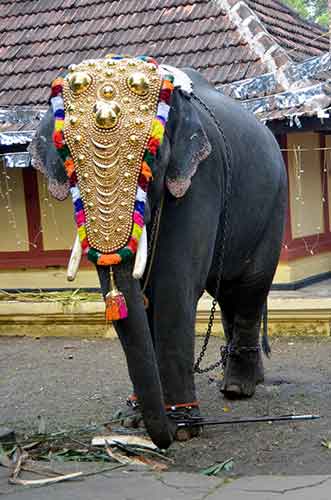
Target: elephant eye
{"x":138,"y":83}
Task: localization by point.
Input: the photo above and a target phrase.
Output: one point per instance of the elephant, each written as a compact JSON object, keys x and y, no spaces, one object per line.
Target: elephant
{"x":220,"y":179}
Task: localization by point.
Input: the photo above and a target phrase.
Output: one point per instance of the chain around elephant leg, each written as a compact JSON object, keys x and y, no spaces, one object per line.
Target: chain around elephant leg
{"x":243,"y":368}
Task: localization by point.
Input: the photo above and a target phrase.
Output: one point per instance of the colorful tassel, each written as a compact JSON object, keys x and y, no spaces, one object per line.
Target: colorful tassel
{"x":115,"y":302}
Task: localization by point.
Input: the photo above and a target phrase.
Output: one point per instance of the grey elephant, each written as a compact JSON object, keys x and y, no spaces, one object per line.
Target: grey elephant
{"x":219,"y":177}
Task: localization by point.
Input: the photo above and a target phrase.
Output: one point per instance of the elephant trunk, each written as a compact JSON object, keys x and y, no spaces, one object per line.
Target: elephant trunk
{"x":136,"y":340}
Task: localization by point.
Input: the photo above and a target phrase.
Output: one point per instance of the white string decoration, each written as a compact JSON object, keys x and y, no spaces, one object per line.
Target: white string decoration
{"x":299,"y":192}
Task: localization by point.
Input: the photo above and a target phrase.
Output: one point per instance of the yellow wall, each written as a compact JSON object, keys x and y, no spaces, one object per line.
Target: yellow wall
{"x":305,"y":185}
{"x":299,"y":269}
{"x":57,"y":219}
{"x":50,"y":277}
{"x":59,"y":229}
{"x":14,"y":230}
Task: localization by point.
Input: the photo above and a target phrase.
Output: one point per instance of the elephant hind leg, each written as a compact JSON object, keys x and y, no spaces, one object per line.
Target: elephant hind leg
{"x":245,"y":297}
{"x":227,"y":319}
{"x":244,"y":366}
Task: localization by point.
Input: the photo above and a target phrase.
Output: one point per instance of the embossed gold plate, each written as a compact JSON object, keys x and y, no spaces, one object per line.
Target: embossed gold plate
{"x":109,"y":110}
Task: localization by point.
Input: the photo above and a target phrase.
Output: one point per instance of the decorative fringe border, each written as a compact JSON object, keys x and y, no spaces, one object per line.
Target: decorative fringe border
{"x":154,"y":142}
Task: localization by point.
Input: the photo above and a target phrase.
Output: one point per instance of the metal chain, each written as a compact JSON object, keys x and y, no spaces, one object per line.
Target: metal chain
{"x":221,"y":251}
{"x":228,"y":351}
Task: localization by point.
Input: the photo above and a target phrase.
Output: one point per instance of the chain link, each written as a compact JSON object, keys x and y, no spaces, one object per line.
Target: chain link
{"x":221,"y":251}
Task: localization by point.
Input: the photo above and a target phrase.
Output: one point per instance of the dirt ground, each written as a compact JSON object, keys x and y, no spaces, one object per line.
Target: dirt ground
{"x":72,"y":383}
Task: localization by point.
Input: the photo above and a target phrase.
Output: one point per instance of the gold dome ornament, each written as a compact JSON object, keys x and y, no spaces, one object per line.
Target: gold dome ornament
{"x":106,"y":114}
{"x":131,"y":158}
{"x":81,"y":159}
{"x":134,"y":139}
{"x":138,"y":83}
{"x":107,"y":92}
{"x":139,"y":122}
{"x":79,"y":81}
{"x":73,"y":120}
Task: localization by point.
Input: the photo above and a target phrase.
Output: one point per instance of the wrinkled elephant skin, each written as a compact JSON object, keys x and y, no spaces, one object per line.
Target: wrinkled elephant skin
{"x":207,"y":136}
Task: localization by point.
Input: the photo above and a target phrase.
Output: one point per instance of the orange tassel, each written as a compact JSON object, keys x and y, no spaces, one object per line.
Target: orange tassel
{"x":116,"y":307}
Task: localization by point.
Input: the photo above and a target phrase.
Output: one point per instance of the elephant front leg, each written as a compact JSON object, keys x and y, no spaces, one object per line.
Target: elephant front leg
{"x":172,"y":324}
{"x":172,"y":318}
{"x":174,"y":339}
{"x":137,"y":344}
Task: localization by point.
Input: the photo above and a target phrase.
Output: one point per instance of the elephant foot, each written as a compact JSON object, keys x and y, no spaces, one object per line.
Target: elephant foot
{"x":185,"y":413}
{"x":243,"y":371}
{"x":187,"y":433}
{"x":131,"y":418}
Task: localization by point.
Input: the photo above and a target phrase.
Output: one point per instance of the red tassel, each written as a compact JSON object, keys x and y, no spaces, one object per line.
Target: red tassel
{"x":116,"y":307}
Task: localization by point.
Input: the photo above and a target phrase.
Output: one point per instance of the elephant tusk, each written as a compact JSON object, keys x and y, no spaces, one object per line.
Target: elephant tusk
{"x":74,"y":261}
{"x":141,"y":256}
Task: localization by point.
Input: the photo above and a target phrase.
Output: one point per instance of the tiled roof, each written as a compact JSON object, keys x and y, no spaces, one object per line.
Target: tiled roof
{"x":38,"y":38}
{"x":299,"y":37}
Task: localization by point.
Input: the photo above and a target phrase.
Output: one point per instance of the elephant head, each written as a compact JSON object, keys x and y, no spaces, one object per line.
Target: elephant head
{"x":113,"y":132}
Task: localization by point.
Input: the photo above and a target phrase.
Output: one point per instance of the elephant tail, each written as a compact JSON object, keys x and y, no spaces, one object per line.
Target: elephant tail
{"x":265,"y":339}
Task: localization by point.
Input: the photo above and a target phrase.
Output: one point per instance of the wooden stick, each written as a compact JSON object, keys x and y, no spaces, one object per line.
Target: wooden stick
{"x":43,"y":482}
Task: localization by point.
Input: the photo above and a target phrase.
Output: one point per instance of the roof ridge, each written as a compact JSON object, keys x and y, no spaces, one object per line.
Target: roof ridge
{"x":298,"y":74}
{"x":259,"y":39}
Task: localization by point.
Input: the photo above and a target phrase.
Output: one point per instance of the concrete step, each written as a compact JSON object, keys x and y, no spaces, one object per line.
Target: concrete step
{"x":288,"y":314}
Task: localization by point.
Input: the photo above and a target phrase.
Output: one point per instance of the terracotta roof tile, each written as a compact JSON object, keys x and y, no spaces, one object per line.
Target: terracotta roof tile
{"x":41,"y":37}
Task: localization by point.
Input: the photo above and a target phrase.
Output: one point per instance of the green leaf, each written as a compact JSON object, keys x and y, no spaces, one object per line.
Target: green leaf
{"x":217,"y":467}
{"x":326,"y":443}
{"x":4,"y":459}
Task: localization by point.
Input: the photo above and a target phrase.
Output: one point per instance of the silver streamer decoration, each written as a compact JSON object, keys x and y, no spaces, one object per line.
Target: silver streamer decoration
{"x":308,"y":92}
{"x":20,"y":115}
{"x":16,"y":160}
{"x":16,"y":137}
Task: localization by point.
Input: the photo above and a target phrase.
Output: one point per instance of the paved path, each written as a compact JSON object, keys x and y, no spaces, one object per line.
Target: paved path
{"x":133,"y":485}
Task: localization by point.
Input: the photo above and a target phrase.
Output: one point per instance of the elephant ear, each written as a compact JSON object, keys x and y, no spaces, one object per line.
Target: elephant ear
{"x":45,"y":158}
{"x":189,"y":143}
